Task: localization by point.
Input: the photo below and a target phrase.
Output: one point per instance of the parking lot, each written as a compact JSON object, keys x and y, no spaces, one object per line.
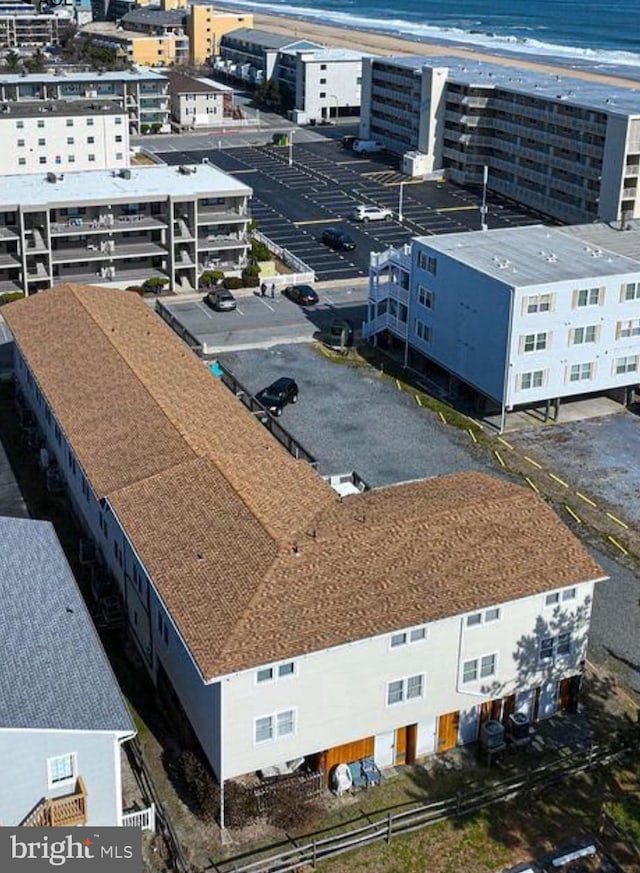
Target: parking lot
{"x":259,"y":321}
{"x":351,"y":419}
{"x":293,"y":204}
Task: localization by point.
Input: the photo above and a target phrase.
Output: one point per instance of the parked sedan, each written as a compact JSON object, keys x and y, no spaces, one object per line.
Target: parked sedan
{"x":303,"y":295}
{"x":220,"y":299}
{"x":278,"y":395}
{"x":337,"y":238}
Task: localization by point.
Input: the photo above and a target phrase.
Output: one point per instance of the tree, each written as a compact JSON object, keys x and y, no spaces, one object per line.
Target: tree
{"x":210,"y":278}
{"x":13,"y":61}
{"x":37,"y":62}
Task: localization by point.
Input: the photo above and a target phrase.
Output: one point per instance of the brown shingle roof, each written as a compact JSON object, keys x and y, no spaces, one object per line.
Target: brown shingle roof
{"x":216,"y":511}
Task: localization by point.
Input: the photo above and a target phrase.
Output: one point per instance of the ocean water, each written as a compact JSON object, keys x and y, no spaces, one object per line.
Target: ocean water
{"x":606,"y":31}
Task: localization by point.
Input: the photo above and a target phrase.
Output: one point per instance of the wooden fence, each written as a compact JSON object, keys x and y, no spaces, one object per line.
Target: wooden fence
{"x":386,"y":824}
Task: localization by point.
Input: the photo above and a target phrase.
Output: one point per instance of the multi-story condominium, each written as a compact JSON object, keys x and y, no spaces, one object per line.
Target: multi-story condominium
{"x":253,"y":591}
{"x":206,"y":27}
{"x":197,"y":103}
{"x":63,"y":136}
{"x":23,"y":26}
{"x":154,"y":48}
{"x":143,"y":94}
{"x":567,"y":147}
{"x":325,"y":82}
{"x":252,"y":55}
{"x":120,"y":226}
{"x":63,"y":719}
{"x":524,"y":316}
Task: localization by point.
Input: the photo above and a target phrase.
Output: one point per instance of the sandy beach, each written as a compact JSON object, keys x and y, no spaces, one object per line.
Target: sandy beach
{"x":383,"y":44}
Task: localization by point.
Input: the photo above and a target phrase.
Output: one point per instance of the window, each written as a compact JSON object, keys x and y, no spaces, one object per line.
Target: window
{"x":626,"y":329}
{"x":69,"y":122}
{"x":89,"y":122}
{"x":61,"y":770}
{"x":587,"y":297}
{"x":118,"y":120}
{"x":425,"y":297}
{"x":630,"y":291}
{"x":323,"y":81}
{"x":20,"y":125}
{"x":270,"y":727}
{"x":537,"y":303}
{"x":281,"y":671}
{"x":403,"y":638}
{"x":22,"y":162}
{"x":402,"y":690}
{"x":119,"y":138}
{"x":323,"y":66}
{"x":552,"y":599}
{"x":534,"y":379}
{"x":534,"y":342}
{"x":323,"y":94}
{"x":581,"y":372}
{"x":20,"y":143}
{"x":70,"y":140}
{"x":91,"y":140}
{"x":42,"y":141}
{"x":42,"y":159}
{"x":119,"y":156}
{"x":569,"y":594}
{"x":478,"y":618}
{"x":91,"y":158}
{"x":581,"y":335}
{"x":72,"y":159}
{"x":482,"y":668}
{"x":40,"y":122}
{"x":626,"y":365}
{"x":423,"y":331}
{"x":558,"y":646}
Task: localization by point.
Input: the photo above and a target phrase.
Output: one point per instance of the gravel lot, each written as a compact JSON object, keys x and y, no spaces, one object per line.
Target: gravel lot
{"x":351,"y":419}
{"x":614,"y":640}
{"x":601,"y":456}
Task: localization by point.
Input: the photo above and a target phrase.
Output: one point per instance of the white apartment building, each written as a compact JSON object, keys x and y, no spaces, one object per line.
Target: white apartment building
{"x":567,"y":147}
{"x":120,"y":226}
{"x":22,"y":25}
{"x":63,"y":136}
{"x":524,"y":316}
{"x":326,"y":82}
{"x":143,"y":94}
{"x":283,"y":621}
{"x":196,"y":103}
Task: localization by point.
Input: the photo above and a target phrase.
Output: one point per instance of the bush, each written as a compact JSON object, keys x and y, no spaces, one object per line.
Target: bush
{"x":200,"y":784}
{"x":260,"y":251}
{"x":288,"y":806}
{"x":233,"y":282}
{"x":144,"y":128}
{"x":240,"y":806}
{"x":251,"y":270}
{"x":10,"y":296}
{"x":156,"y":127}
{"x":211,"y":277}
{"x":155,"y":283}
{"x":250,"y":281}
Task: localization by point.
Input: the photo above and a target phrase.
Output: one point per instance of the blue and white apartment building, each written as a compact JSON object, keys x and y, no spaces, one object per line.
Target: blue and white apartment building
{"x":522,"y":315}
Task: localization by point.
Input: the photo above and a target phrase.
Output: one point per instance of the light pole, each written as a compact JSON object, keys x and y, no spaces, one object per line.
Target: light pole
{"x":400,"y":200}
{"x":483,"y":208}
{"x":291,"y":132}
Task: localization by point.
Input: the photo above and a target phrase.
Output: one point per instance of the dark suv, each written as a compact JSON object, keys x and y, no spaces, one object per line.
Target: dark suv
{"x":337,"y":238}
{"x":276,"y":396}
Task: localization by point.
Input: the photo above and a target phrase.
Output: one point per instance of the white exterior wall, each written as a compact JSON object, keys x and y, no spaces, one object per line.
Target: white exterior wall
{"x":340,"y":83}
{"x":561,"y":353}
{"x":24,"y":755}
{"x":198,"y":109}
{"x":340,"y":694}
{"x":41,"y":144}
{"x":431,"y":114}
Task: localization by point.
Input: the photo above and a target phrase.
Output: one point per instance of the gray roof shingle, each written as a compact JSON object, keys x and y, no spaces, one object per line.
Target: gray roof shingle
{"x":54,"y":674}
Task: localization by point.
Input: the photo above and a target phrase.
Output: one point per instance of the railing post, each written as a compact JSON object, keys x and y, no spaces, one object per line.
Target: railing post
{"x":389,"y":827}
{"x":458,"y":802}
{"x":313,"y":855}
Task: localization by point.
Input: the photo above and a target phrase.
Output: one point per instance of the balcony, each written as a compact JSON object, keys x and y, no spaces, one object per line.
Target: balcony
{"x":105,"y":222}
{"x":96,"y":253}
{"x":68,"y":811}
{"x":212,"y":215}
{"x":223,"y":241}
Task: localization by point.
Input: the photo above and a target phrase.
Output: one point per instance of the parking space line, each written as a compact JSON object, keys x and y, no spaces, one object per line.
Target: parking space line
{"x":317,"y":221}
{"x":264,"y":302}
{"x":456,"y":208}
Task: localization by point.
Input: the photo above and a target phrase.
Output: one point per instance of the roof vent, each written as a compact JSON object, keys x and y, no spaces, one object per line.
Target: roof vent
{"x":125,"y":174}
{"x":51,"y":177}
{"x":597,"y":253}
{"x":552,"y":258}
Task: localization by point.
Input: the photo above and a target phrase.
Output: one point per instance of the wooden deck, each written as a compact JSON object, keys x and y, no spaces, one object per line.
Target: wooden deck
{"x":70,"y":810}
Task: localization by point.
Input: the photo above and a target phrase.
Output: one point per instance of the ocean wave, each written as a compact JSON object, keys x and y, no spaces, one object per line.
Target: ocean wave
{"x":425,"y":32}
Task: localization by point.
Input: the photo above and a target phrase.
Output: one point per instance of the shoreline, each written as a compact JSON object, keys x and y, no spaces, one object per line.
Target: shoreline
{"x":377,"y":43}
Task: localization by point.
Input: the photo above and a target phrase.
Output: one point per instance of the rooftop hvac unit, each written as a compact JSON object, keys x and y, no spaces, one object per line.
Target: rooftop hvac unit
{"x":492,"y":739}
{"x":125,"y":174}
{"x":518,"y":730}
{"x":51,"y":177}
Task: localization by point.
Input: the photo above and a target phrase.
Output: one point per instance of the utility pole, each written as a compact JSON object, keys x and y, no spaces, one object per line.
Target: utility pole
{"x":483,"y":208}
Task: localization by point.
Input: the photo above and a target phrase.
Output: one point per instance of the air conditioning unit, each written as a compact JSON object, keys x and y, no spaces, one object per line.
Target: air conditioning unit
{"x":51,"y":177}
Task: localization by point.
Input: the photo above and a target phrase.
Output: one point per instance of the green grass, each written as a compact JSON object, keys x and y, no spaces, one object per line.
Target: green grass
{"x":626,"y":813}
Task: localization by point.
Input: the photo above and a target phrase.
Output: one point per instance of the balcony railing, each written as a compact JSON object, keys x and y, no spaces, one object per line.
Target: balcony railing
{"x":67,"y":811}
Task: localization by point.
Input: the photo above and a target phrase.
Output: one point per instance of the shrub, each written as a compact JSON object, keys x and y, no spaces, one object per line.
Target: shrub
{"x":232,"y":282}
{"x":240,"y":806}
{"x":259,"y":251}
{"x":10,"y":296}
{"x":250,"y":281}
{"x":251,"y":270}
{"x":156,"y":127}
{"x":155,"y":283}
{"x":289,"y":807}
{"x":211,"y":277}
{"x":200,"y":784}
{"x":144,"y":128}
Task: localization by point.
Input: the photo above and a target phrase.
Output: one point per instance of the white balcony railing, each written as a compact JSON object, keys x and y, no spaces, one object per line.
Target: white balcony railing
{"x":145,"y":819}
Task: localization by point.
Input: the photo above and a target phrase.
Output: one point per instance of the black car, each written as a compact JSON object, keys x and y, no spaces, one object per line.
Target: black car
{"x":304,"y":295}
{"x":220,"y":299}
{"x":337,"y":238}
{"x":277,"y":395}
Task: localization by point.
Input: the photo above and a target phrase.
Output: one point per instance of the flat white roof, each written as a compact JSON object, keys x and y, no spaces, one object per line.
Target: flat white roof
{"x":332,"y":54}
{"x":612,"y":99}
{"x":110,"y":186}
{"x":52,"y":78}
{"x":535,"y":255}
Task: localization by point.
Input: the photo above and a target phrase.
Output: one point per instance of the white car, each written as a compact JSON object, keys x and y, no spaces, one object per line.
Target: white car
{"x":372,"y":213}
{"x":367,"y":146}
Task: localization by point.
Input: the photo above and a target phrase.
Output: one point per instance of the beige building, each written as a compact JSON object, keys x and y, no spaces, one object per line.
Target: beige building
{"x":198,"y":103}
{"x":206,"y":27}
{"x":61,"y":136}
